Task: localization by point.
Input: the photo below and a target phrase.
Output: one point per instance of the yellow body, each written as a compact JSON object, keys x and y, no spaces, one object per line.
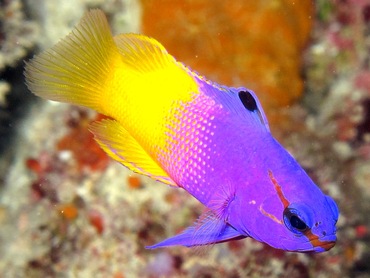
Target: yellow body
{"x":130,"y":78}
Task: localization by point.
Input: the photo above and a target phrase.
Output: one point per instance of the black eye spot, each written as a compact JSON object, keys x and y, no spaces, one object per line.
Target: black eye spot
{"x":248,"y":100}
{"x":297,"y":223}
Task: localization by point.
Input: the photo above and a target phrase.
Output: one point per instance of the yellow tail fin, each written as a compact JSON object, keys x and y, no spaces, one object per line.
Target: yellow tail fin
{"x":77,"y":68}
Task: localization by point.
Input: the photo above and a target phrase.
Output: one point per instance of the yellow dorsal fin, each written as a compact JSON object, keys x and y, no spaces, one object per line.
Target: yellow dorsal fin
{"x":149,"y":61}
{"x":143,"y":54}
{"x":77,"y":68}
{"x":122,"y":147}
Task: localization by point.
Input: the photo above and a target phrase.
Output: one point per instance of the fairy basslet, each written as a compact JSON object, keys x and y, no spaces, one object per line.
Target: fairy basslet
{"x":173,"y":125}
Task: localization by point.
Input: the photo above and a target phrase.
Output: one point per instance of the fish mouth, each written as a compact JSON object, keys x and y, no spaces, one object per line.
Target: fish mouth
{"x":321,"y":244}
{"x":314,"y":245}
{"x":325,"y":245}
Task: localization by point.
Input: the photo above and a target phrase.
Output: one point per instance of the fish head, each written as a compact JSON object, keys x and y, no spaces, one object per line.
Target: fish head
{"x":294,"y":216}
{"x":271,"y":199}
{"x":310,"y":228}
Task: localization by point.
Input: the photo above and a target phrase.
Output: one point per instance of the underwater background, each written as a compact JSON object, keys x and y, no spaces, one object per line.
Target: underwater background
{"x":67,"y":210}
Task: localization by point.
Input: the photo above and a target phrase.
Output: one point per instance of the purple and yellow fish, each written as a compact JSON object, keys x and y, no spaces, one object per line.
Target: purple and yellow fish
{"x":175,"y":126}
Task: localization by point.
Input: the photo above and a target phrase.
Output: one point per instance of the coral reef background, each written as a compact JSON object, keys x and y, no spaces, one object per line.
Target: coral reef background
{"x":66,"y":210}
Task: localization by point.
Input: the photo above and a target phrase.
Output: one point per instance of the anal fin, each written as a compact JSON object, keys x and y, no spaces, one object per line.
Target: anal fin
{"x":117,"y":142}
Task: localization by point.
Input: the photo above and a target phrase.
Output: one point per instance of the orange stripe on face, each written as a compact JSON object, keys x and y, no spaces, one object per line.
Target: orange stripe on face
{"x":273,"y":217}
{"x":314,"y":239}
{"x":279,"y":191}
{"x":316,"y":242}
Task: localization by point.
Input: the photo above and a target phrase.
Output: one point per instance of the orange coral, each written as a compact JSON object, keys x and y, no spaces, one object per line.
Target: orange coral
{"x":68,"y":211}
{"x":134,"y":181}
{"x":256,"y":44}
{"x":96,"y":220}
{"x":80,"y":141}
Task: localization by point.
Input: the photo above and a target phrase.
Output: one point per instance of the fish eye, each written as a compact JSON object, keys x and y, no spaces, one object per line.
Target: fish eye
{"x":293,"y":221}
{"x":248,"y":100}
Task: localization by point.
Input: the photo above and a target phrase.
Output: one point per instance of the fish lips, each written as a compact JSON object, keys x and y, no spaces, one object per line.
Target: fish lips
{"x":321,"y":245}
{"x":315,"y":245}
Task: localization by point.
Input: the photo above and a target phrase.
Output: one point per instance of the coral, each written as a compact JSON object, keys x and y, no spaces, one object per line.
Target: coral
{"x":257,"y":44}
{"x":68,"y":211}
{"x":338,"y":77}
{"x":96,"y":219}
{"x":134,"y":181}
{"x":17,"y":34}
{"x":162,"y":265}
{"x":80,"y":142}
{"x":56,"y":20}
{"x":4,"y":89}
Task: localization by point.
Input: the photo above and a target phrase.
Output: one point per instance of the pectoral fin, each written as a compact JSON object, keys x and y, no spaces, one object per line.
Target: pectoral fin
{"x":210,"y":231}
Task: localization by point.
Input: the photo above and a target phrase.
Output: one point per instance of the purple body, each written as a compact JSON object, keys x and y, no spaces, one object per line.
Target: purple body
{"x":223,"y":154}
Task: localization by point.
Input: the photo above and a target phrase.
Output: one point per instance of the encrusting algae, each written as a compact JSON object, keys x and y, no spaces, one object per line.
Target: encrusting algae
{"x":258,"y":43}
